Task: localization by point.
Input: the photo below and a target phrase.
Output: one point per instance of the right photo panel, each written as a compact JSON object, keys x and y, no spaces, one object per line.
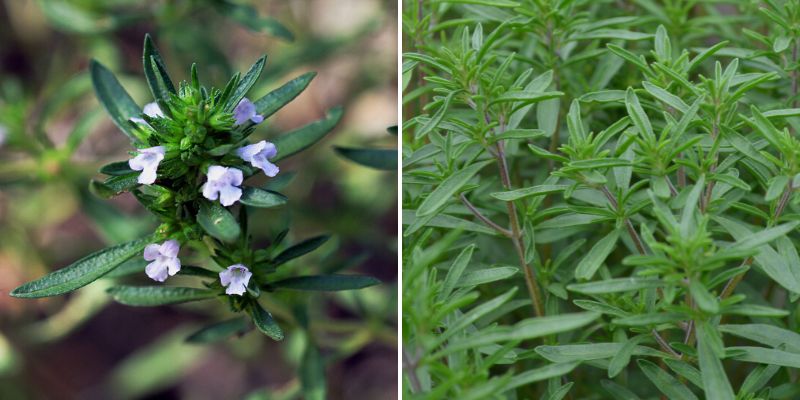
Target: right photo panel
{"x":598,"y":199}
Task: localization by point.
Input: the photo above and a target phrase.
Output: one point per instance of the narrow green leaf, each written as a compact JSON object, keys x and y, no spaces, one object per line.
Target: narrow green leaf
{"x":383,"y":159}
{"x":455,"y":271}
{"x":300,"y":249}
{"x":439,"y":197}
{"x":665,"y":382}
{"x":666,"y":97}
{"x":117,"y":168}
{"x":218,"y":222}
{"x":715,"y":382}
{"x":261,"y":198}
{"x":615,"y":285}
{"x":82,"y":272}
{"x":540,"y":190}
{"x":540,"y":374}
{"x":326,"y":282}
{"x":776,"y":187}
{"x":264,"y":322}
{"x":638,"y":116}
{"x":119,"y":104}
{"x":300,"y":139}
{"x":623,"y":357}
{"x":246,"y":83}
{"x":704,"y":299}
{"x":486,"y":275}
{"x":590,"y":351}
{"x":146,"y":296}
{"x":219,"y":331}
{"x":590,"y":263}
{"x":763,"y":355}
{"x":276,"y":99}
{"x":767,"y":334}
{"x":437,"y":117}
{"x":312,"y":374}
{"x":156,"y":74}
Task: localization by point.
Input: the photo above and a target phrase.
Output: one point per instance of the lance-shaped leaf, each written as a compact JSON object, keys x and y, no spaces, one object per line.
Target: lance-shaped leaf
{"x":264,"y":322}
{"x":245,"y":84}
{"x":615,"y":285}
{"x":115,"y":99}
{"x":596,"y":256}
{"x":383,"y":159}
{"x":156,"y":74}
{"x":261,"y":198}
{"x":766,"y":334}
{"x":114,"y":185}
{"x":300,"y":249}
{"x":326,"y":282}
{"x":82,"y":272}
{"x":715,"y":382}
{"x":439,"y":197}
{"x":665,"y":382}
{"x":763,"y":355}
{"x":218,"y":222}
{"x":146,"y":296}
{"x":117,"y":168}
{"x":220,"y":331}
{"x":300,"y":139}
{"x":276,"y":99}
{"x":638,"y":116}
{"x":539,"y":190}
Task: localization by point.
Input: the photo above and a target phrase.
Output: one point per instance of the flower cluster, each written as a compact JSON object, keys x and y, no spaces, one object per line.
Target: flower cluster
{"x":222,"y":183}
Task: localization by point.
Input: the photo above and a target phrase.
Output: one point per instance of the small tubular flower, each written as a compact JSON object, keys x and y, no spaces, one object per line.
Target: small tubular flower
{"x":245,"y":111}
{"x":223,"y":184}
{"x":165,"y":261}
{"x":147,"y":161}
{"x":152,"y":110}
{"x":258,"y":155}
{"x":235,"y":278}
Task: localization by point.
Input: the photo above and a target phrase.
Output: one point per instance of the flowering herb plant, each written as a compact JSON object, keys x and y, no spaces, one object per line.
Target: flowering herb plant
{"x":600,"y":199}
{"x":189,"y":169}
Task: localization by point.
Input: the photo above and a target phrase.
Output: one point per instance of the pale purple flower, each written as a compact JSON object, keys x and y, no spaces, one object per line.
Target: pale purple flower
{"x":235,"y":278}
{"x":165,"y":261}
{"x":257,"y":154}
{"x":147,"y":161}
{"x":152,"y":110}
{"x":223,"y":183}
{"x":246,"y":110}
{"x":139,"y":121}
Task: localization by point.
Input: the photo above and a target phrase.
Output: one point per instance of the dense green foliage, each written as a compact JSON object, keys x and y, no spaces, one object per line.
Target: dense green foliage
{"x":599,"y":199}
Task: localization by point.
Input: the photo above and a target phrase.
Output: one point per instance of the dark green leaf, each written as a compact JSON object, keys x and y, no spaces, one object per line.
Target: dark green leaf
{"x":82,"y":272}
{"x":157,"y":295}
{"x":220,"y":331}
{"x":300,"y":249}
{"x":115,"y":100}
{"x":384,"y":159}
{"x":261,"y":198}
{"x":300,"y":139}
{"x":264,"y":321}
{"x":276,"y":99}
{"x":327,"y":282}
{"x":217,"y":221}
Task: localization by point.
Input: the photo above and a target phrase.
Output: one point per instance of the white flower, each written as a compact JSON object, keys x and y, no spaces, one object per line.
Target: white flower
{"x":235,"y":278}
{"x":246,"y":110}
{"x":257,"y":154}
{"x":223,"y":183}
{"x":147,"y":161}
{"x":152,"y":110}
{"x":164,"y":259}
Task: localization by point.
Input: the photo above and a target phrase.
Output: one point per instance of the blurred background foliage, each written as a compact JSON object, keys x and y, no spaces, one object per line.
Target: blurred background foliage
{"x":54,"y":136}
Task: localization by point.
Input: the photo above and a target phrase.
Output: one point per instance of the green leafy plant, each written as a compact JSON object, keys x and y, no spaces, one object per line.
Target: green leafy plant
{"x":191,"y":160}
{"x":598,"y":195}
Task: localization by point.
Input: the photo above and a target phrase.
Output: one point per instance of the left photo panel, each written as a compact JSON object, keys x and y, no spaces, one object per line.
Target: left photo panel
{"x":198,"y":199}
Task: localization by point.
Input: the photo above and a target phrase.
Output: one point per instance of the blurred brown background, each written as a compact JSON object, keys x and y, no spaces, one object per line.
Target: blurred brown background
{"x":82,"y":346}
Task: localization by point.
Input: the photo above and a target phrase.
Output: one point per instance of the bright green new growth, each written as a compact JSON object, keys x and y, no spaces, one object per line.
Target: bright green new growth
{"x":633,"y":165}
{"x":198,"y":130}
